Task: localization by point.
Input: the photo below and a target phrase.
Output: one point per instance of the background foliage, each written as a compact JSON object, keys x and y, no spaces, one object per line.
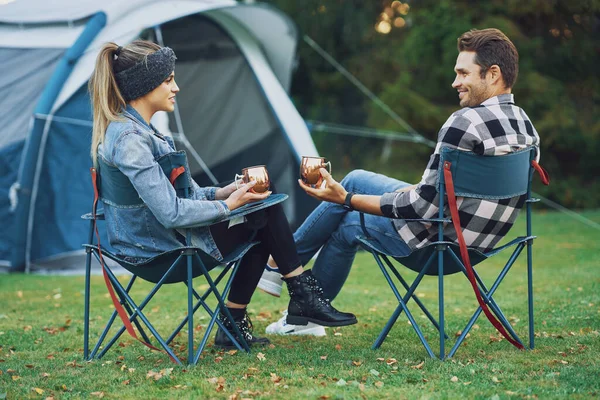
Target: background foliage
{"x":411,"y":69}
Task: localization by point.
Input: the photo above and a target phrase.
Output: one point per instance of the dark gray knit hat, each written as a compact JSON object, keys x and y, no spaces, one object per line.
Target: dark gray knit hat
{"x":147,"y":74}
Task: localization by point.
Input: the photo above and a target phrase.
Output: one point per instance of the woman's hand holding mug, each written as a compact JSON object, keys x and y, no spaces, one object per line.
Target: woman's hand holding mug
{"x":252,"y":185}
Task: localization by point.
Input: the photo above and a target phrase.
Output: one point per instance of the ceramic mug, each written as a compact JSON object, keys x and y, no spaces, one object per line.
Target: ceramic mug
{"x":309,"y":169}
{"x":256,"y":173}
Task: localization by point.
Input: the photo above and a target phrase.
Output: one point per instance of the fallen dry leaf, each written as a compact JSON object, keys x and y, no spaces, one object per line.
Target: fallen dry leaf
{"x":454,"y":379}
{"x":495,"y":380}
{"x":338,"y":346}
{"x":357,"y":363}
{"x":418,"y":366}
{"x":323,"y":357}
{"x":275,"y":378}
{"x":98,"y":394}
{"x":261,"y":357}
{"x":379,"y":384}
{"x":38,"y":390}
{"x":232,"y":352}
{"x":126,"y":382}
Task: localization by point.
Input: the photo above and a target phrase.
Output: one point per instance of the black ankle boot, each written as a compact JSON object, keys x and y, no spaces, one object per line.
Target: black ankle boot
{"x":242,"y":320}
{"x":308,"y":304}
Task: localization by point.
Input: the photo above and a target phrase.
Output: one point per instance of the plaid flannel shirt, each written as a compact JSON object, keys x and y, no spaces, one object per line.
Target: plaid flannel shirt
{"x":495,"y":127}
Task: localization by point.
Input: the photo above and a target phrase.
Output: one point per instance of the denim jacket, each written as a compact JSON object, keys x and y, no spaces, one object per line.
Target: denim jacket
{"x":156,"y":225}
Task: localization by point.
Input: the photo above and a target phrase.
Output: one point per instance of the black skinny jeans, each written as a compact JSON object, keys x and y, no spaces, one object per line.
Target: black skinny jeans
{"x":276,"y":239}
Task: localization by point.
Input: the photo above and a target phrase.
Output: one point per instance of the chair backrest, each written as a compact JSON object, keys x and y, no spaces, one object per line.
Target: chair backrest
{"x":116,"y":187}
{"x":488,"y":177}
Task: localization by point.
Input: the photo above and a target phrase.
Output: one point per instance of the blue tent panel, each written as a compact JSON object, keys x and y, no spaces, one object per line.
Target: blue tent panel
{"x":10,"y":157}
{"x":65,"y":191}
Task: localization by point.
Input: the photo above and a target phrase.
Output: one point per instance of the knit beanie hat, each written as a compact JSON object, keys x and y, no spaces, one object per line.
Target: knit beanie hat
{"x":147,"y":74}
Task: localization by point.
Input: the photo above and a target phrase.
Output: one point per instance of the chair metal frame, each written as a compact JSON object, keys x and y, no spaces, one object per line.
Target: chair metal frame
{"x":189,"y":262}
{"x":448,"y":255}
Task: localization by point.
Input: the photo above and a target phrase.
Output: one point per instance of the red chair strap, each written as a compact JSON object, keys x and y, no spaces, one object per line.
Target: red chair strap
{"x":175,"y":174}
{"x":543,"y":173}
{"x":449,"y":183}
{"x":120,"y":310}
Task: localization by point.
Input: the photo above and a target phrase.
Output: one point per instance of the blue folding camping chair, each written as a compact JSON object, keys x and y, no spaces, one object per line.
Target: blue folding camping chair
{"x":466,"y":175}
{"x":178,"y":265}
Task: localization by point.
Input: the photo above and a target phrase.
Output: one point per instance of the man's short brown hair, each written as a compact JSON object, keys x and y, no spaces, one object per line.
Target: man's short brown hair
{"x":492,"y":47}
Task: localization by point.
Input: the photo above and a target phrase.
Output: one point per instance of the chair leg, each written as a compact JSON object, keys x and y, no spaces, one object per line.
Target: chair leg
{"x":211,"y":313}
{"x":530,"y":292}
{"x":190,"y":315}
{"x":415,"y":298}
{"x":222,"y":306}
{"x":487,"y":295}
{"x":138,"y":310}
{"x":401,"y":307}
{"x":198,"y":304}
{"x":86,"y":306}
{"x":140,"y":314}
{"x":215,"y":319}
{"x":441,"y":301}
{"x":108,"y":326}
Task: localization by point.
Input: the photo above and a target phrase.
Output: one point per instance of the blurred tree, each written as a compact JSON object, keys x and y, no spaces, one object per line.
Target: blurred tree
{"x":404,"y":51}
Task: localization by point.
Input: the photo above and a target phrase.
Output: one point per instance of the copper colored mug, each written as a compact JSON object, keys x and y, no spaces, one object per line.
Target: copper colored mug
{"x":256,"y":173}
{"x":309,"y":169}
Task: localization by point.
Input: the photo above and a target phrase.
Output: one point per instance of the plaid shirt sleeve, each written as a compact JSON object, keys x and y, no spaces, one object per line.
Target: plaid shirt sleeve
{"x":422,"y":202}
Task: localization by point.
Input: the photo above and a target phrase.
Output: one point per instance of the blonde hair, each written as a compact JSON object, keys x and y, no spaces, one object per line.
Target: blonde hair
{"x":107,"y":100}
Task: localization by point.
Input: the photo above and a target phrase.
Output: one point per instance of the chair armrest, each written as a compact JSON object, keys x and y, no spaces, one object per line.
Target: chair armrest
{"x":259,"y":205}
{"x":364,"y":228}
{"x":249,"y":208}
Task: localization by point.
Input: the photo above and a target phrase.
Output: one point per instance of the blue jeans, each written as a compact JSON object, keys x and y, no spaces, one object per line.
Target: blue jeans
{"x":333,"y":230}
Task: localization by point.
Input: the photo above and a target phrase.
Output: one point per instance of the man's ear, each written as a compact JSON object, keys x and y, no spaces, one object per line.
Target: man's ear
{"x":494,"y":75}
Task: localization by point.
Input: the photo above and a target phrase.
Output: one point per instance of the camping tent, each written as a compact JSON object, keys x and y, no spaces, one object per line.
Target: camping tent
{"x":234,"y":70}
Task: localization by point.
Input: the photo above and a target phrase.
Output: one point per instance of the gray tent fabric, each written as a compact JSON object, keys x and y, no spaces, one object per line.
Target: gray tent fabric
{"x":234,"y":66}
{"x":218,"y":92}
{"x":23,"y":74}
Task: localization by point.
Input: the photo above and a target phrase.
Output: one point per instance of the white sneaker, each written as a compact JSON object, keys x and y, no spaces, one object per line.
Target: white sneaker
{"x":282,"y":328}
{"x":271,"y":282}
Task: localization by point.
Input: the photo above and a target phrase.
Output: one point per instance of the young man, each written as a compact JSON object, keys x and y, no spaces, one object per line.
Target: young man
{"x":488,"y":124}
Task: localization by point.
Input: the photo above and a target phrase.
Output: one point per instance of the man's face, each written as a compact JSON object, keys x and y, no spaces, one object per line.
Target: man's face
{"x":472,"y":89}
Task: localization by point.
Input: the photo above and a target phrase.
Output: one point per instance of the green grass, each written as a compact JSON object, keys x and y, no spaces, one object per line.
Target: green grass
{"x":41,"y":330}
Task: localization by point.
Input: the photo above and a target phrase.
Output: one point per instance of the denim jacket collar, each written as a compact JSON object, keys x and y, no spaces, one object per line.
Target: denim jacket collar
{"x":129,"y":111}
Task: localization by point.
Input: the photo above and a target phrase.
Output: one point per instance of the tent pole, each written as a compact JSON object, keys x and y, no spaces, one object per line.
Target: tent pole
{"x":31,"y":154}
{"x":184,"y":139}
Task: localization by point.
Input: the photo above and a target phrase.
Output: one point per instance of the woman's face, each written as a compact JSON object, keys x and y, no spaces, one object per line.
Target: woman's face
{"x":162,"y":98}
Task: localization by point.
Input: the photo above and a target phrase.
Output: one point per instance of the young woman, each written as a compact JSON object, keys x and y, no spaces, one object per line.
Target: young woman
{"x":128,"y":86}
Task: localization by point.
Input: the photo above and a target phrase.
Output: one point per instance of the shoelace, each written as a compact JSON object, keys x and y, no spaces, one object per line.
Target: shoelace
{"x":245,"y":325}
{"x":314,"y":284}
